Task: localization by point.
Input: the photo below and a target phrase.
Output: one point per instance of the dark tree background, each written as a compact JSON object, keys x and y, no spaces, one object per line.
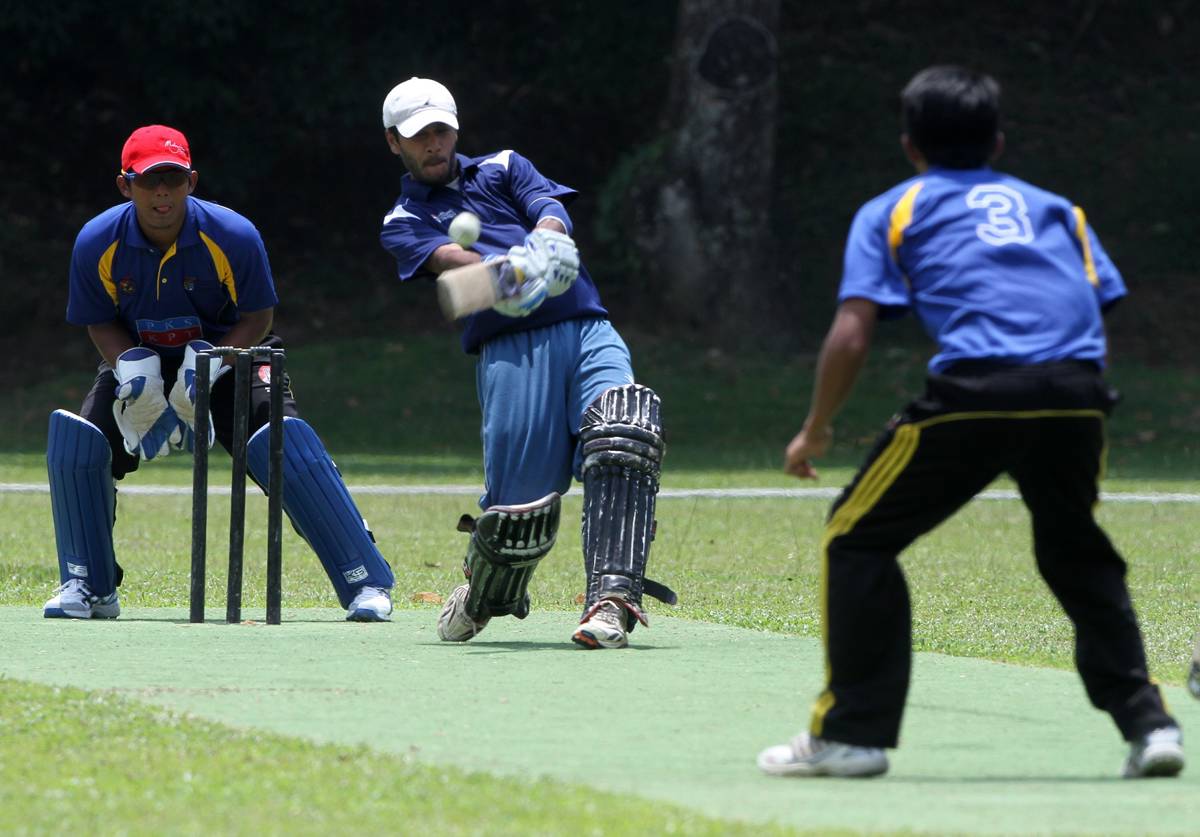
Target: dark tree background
{"x":282,"y":104}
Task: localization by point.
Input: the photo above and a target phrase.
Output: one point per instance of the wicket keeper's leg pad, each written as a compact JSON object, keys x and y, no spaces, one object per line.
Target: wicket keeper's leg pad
{"x":507,"y":542}
{"x":84,"y":501}
{"x":321,"y":508}
{"x":622,"y":437}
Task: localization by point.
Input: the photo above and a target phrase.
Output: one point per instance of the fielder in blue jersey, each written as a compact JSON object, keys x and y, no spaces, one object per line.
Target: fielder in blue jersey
{"x":1011,"y":283}
{"x":154,"y":280}
{"x":554,"y":379}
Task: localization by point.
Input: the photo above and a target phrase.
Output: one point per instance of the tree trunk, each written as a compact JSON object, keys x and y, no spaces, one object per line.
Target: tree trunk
{"x":707,"y":237}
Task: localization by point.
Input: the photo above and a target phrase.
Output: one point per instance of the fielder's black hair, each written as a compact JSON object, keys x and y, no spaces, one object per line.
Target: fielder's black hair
{"x":952,"y":115}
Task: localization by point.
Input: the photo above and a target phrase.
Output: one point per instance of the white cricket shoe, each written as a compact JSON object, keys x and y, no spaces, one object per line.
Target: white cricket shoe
{"x":75,"y":600}
{"x":602,"y":627}
{"x":454,"y":625}
{"x":1158,"y":753}
{"x":372,"y":604}
{"x":807,"y":755}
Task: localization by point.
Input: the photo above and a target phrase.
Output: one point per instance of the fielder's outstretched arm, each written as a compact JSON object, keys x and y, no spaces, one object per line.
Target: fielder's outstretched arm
{"x":842,"y":357}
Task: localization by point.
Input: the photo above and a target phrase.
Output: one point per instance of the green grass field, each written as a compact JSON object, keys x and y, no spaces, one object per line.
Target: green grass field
{"x":407,"y":417}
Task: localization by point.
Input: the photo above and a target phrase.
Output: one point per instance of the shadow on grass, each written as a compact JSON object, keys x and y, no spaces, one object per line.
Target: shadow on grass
{"x":476,"y":647}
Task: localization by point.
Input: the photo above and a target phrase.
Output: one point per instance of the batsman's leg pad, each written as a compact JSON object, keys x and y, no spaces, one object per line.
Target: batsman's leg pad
{"x":622,"y":437}
{"x":507,"y":542}
{"x":321,"y":509}
{"x":84,"y":501}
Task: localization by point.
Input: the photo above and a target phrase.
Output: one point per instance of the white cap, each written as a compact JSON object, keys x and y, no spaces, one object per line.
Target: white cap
{"x":418,"y":102}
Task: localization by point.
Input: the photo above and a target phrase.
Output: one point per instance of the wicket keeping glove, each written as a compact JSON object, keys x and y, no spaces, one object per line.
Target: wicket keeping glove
{"x":561,"y":255}
{"x":521,"y":285}
{"x":183,"y":394}
{"x":147,"y":422}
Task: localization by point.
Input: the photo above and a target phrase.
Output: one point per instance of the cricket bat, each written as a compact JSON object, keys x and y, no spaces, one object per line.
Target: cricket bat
{"x":472,"y":288}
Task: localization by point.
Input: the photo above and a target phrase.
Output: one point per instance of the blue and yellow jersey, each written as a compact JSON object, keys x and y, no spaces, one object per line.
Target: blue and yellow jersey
{"x":510,"y":196}
{"x":993,"y":267}
{"x":217,"y":267}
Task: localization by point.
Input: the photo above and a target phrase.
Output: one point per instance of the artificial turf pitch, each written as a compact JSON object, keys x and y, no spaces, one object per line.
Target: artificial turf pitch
{"x":679,"y":716}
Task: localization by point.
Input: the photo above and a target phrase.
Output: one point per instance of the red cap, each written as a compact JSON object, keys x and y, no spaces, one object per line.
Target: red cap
{"x":155,"y":145}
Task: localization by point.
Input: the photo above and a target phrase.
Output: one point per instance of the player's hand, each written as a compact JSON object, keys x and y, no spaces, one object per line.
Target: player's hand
{"x":147,"y":422}
{"x":810,"y":443}
{"x":183,"y":394}
{"x":522,"y":282}
{"x":561,"y":254}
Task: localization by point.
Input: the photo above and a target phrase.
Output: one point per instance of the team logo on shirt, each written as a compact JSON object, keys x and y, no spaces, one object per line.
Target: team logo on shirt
{"x":127,"y":285}
{"x":189,"y":282}
{"x":264,"y":374}
{"x":170,"y":333}
{"x":445,"y":216}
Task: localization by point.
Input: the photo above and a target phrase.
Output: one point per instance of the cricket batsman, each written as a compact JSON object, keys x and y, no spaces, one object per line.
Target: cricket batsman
{"x":554,"y":378}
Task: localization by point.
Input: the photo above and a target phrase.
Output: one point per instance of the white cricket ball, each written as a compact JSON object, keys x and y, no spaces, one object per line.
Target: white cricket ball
{"x":464,"y":229}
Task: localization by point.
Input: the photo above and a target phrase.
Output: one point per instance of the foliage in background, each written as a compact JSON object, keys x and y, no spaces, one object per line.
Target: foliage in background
{"x":283,"y":114}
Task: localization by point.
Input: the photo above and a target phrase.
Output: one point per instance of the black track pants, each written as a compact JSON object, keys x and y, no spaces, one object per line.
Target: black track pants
{"x":1044,"y":426}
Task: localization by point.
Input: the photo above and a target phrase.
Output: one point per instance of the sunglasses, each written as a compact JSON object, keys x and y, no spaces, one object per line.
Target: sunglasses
{"x":172,"y":178}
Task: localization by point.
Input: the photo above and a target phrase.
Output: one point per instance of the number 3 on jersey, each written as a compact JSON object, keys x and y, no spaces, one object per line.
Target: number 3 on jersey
{"x":1007,"y":215}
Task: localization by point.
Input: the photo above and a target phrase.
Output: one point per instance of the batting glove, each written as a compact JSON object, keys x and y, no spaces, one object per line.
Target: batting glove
{"x":562,"y":258}
{"x":521,"y":285}
{"x":183,"y":394}
{"x":147,"y":422}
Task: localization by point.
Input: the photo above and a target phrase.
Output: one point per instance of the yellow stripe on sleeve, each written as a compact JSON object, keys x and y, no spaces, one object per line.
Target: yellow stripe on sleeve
{"x":901,"y":217}
{"x":104,"y":268}
{"x":1089,"y":265}
{"x":221,"y":263}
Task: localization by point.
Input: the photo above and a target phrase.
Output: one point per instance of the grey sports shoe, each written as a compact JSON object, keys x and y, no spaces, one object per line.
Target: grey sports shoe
{"x":454,"y":625}
{"x":75,"y":600}
{"x":602,"y":627}
{"x":1158,"y":753}
{"x":807,"y":755}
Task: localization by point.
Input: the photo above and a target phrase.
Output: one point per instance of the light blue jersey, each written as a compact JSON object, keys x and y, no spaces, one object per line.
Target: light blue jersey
{"x":994,"y":268}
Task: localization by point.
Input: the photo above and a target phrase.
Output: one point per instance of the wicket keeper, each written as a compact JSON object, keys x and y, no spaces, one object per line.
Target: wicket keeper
{"x":154,"y":280}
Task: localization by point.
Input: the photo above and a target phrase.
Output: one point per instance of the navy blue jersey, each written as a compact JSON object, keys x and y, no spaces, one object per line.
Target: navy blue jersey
{"x":195,"y":289}
{"x":993,"y":267}
{"x":509,"y":195}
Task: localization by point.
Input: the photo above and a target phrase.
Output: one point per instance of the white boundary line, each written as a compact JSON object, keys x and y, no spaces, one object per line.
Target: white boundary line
{"x":713,"y":493}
